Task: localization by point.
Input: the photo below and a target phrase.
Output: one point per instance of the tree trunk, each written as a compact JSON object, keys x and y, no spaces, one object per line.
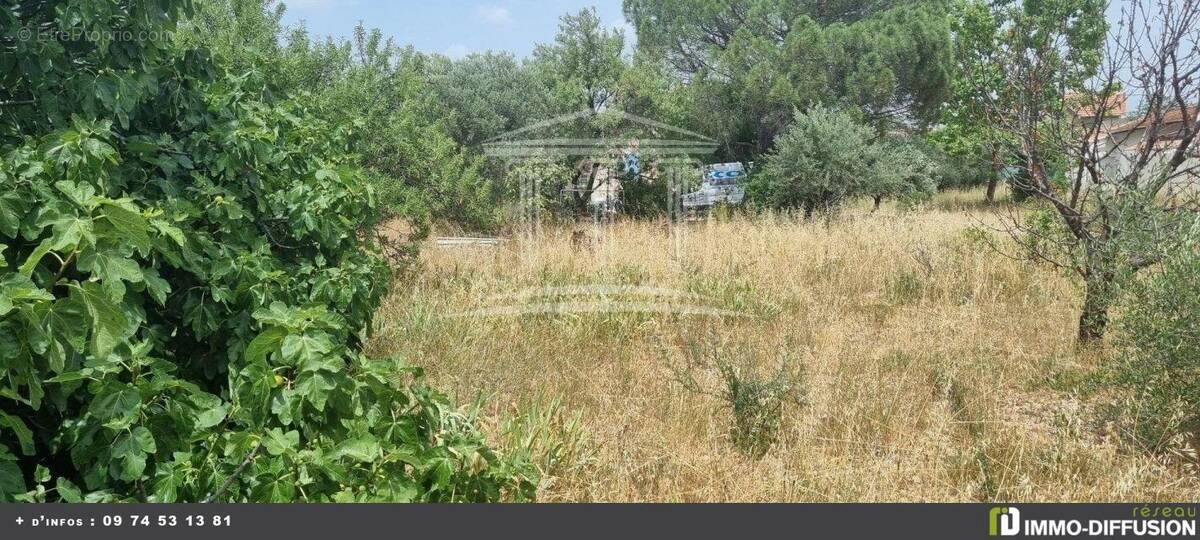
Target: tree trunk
{"x":994,"y":180}
{"x":1093,"y":320}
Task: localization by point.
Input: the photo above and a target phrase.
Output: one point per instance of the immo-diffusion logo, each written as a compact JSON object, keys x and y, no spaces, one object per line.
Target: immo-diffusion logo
{"x":1145,"y":521}
{"x":1004,"y":521}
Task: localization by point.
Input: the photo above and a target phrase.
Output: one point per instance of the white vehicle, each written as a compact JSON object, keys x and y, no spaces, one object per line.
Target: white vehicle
{"x":720,"y":186}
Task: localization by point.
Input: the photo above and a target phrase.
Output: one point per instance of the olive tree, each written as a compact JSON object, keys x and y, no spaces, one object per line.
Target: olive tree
{"x":827,"y":156}
{"x":1106,"y":196}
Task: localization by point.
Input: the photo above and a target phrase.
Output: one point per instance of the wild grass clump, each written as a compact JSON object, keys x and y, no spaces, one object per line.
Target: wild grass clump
{"x":754,"y":397}
{"x":550,"y":438}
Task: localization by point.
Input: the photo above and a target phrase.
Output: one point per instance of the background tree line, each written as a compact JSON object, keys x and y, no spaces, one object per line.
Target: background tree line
{"x":740,"y":72}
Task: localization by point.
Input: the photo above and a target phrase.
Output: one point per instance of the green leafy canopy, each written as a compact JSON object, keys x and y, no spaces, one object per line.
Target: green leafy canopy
{"x":184,"y":281}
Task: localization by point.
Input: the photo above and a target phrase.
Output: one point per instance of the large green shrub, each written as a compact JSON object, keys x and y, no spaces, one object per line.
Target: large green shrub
{"x":827,"y":157}
{"x":418,"y":170}
{"x":962,"y":160}
{"x":185,"y":277}
{"x":1158,"y":359}
{"x":819,"y":162}
{"x":906,"y":170}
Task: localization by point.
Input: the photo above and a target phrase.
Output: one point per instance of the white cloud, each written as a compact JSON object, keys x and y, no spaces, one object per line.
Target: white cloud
{"x":457,"y":51}
{"x":493,"y":14}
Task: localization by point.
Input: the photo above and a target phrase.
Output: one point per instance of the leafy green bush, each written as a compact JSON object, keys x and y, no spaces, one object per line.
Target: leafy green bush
{"x":905,"y":170}
{"x":418,"y":171}
{"x":549,"y":177}
{"x":961,"y":160}
{"x":827,"y":157}
{"x":1158,"y":363}
{"x":961,"y":154}
{"x":819,"y":162}
{"x":183,"y":288}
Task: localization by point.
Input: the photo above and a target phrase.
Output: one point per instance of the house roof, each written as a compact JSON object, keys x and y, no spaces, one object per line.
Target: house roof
{"x":1116,"y":106}
{"x":1173,"y":116}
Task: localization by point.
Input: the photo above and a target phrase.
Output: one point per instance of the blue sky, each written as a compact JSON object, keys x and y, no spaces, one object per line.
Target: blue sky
{"x":454,"y":28}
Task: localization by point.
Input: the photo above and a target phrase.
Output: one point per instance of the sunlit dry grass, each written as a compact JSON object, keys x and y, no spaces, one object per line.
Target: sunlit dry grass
{"x":937,"y":370}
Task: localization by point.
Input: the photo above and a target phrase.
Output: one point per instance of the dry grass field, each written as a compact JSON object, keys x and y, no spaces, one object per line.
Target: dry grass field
{"x":932,"y":368}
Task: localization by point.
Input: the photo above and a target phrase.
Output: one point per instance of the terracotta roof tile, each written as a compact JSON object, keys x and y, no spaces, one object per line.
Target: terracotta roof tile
{"x":1173,"y":116}
{"x":1116,"y":106}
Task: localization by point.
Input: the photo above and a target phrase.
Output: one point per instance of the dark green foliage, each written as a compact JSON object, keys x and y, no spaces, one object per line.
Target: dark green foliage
{"x":484,"y":95}
{"x":826,"y":157}
{"x":962,"y":158}
{"x":644,"y":197}
{"x":751,"y":62}
{"x":820,"y":161}
{"x":1158,"y":363}
{"x":960,"y":172}
{"x":581,"y":68}
{"x":419,"y":172}
{"x":1021,"y":183}
{"x":971,"y":142}
{"x":907,"y":170}
{"x":184,"y":281}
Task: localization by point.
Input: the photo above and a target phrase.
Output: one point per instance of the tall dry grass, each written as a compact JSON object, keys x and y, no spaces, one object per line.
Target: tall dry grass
{"x":936,"y":370}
